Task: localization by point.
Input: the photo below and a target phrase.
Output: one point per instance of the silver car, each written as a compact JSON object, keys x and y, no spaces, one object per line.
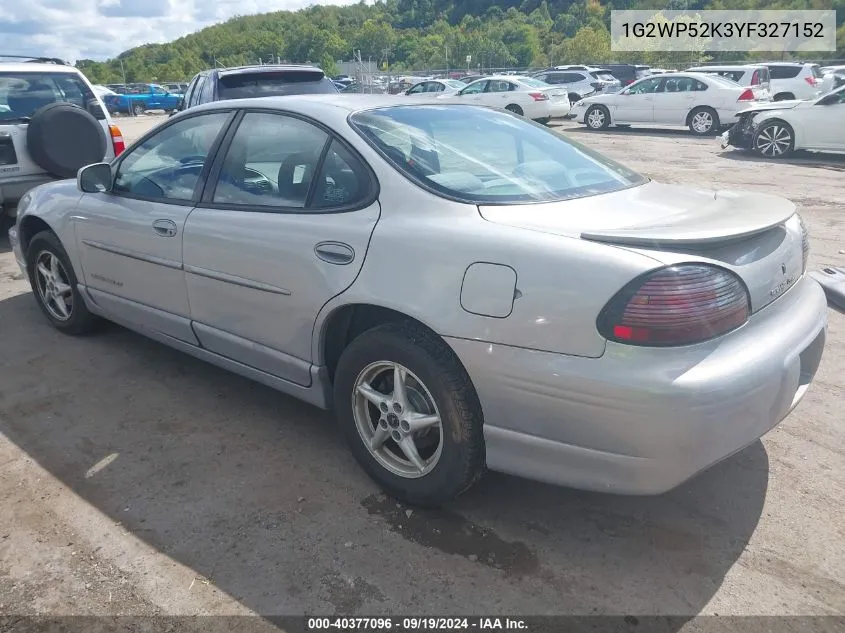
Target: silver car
{"x":466,"y":289}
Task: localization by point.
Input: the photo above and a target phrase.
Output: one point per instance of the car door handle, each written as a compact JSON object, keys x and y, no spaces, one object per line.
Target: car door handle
{"x":335,"y":252}
{"x":165,"y":228}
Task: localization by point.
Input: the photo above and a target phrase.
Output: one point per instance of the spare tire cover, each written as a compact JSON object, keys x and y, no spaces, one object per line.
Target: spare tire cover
{"x":63,"y":137}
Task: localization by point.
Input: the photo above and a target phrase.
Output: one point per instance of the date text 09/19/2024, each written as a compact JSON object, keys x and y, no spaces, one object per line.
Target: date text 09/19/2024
{"x":407,"y":624}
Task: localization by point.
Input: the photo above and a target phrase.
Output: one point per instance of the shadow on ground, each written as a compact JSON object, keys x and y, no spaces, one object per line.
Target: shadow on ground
{"x":257,"y":492}
{"x":833,"y":162}
{"x":636,"y":131}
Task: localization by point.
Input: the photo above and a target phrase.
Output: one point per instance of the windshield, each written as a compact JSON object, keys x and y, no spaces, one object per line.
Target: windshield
{"x":482,"y":155}
{"x":273,"y":84}
{"x":21,"y":94}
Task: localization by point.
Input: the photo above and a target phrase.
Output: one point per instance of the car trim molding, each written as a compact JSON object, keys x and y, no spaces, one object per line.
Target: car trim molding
{"x":235,"y":280}
{"x":125,"y":252}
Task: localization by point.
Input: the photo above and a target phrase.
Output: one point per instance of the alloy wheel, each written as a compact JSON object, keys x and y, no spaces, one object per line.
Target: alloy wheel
{"x":397,"y":419}
{"x":54,"y":286}
{"x":596,"y":118}
{"x":702,"y":122}
{"x":774,"y":140}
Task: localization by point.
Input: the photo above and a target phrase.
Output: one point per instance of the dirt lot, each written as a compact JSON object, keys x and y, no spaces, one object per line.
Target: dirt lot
{"x":135,"y":480}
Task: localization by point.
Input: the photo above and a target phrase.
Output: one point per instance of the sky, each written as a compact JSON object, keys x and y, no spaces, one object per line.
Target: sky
{"x":99,"y":29}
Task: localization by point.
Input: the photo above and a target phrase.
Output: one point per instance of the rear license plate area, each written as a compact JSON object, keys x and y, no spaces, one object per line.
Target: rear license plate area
{"x":7,"y":150}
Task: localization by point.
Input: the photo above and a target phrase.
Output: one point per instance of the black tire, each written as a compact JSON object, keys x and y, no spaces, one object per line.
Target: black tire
{"x":514,"y":108}
{"x":774,"y":139}
{"x":61,"y":138}
{"x":699,"y":114}
{"x":80,"y":321}
{"x":138,"y":109}
{"x":462,"y":458}
{"x":599,"y":123}
{"x":784,"y":96}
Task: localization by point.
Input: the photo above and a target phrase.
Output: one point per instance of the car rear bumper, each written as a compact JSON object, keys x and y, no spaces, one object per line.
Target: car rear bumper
{"x":643,"y":420}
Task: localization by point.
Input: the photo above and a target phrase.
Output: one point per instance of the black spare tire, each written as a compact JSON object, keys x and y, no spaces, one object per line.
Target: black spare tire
{"x":63,"y":137}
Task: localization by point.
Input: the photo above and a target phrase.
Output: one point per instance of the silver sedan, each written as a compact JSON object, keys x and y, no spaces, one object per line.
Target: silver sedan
{"x":465,"y":288}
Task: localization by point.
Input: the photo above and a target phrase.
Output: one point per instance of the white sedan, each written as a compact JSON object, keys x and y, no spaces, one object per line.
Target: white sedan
{"x":702,"y":102}
{"x":525,"y":96}
{"x":777,"y":129}
{"x":434,"y":87}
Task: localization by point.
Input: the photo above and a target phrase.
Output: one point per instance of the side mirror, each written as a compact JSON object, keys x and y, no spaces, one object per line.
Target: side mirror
{"x":94,"y":178}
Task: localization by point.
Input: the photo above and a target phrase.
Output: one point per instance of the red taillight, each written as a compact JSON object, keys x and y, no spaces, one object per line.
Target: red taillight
{"x":755,"y":78}
{"x":117,"y":140}
{"x":678,"y":305}
{"x":747,"y":95}
{"x":539,"y":96}
{"x":811,"y":81}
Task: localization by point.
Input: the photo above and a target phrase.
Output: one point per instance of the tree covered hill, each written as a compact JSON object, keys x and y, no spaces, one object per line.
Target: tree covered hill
{"x":420,"y":35}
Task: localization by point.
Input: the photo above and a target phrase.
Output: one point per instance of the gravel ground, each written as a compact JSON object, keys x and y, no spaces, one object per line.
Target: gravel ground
{"x":135,"y":480}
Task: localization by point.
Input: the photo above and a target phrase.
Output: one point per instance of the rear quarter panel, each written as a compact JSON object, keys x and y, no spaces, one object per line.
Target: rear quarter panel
{"x":54,"y":203}
{"x":424,"y":244}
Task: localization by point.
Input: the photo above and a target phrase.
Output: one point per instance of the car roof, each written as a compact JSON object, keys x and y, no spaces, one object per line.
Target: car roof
{"x":314,"y":105}
{"x":33,"y":67}
{"x":235,"y":70}
{"x":725,"y":67}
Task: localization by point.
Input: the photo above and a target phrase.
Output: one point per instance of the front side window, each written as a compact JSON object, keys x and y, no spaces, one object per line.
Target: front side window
{"x":416,"y":89}
{"x":486,"y":156}
{"x":21,"y":94}
{"x":271,"y":162}
{"x":646,"y":86}
{"x":168,"y":165}
{"x":474,"y":88}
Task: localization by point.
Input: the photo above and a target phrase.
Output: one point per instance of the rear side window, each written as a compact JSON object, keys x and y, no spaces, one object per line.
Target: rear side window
{"x":784,"y":72}
{"x":21,"y":94}
{"x":270,"y":84}
{"x":817,"y":73}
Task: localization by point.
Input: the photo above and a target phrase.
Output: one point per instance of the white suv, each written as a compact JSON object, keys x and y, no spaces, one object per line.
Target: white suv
{"x":794,"y":80}
{"x":51,"y":124}
{"x":581,"y":81}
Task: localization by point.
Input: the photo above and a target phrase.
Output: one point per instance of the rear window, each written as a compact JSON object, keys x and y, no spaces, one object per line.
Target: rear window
{"x":273,"y":84}
{"x":816,"y":71}
{"x":784,"y":72}
{"x":733,"y":75}
{"x":723,"y":81}
{"x":482,"y":155}
{"x":531,"y":82}
{"x":605,"y":76}
{"x":21,"y":94}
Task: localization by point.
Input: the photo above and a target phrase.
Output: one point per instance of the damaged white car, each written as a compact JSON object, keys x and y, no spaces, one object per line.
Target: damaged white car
{"x":776,"y":129}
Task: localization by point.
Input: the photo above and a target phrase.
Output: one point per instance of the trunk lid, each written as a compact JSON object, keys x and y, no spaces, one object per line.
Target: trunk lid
{"x":757,"y":236}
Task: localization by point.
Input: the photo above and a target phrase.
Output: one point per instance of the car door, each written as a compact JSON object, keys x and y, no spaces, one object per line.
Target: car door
{"x":130,"y":238}
{"x":496,"y":93}
{"x":157,"y":97}
{"x":283,"y":227}
{"x":416,"y":91}
{"x":824,"y":123}
{"x":635,"y":104}
{"x":674,"y":98}
{"x":473,"y":93}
